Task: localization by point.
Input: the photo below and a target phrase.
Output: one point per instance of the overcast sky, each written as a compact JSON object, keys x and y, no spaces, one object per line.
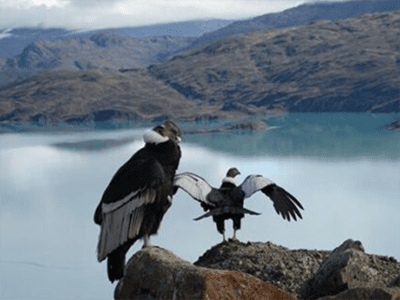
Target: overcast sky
{"x":90,"y":14}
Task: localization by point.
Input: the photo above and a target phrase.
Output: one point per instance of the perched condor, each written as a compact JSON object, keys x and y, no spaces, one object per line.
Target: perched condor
{"x":227,"y":201}
{"x":137,"y":197}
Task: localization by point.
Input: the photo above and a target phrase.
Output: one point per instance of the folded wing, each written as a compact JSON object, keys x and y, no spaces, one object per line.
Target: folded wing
{"x":122,"y":208}
{"x":285,"y":204}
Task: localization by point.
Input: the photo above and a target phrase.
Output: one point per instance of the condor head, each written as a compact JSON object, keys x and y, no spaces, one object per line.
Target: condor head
{"x":162,"y":133}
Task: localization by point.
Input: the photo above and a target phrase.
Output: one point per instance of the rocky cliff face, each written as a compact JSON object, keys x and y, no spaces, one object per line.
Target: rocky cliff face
{"x":234,"y":270}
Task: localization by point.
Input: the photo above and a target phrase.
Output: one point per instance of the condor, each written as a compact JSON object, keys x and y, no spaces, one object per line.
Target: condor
{"x":227,"y":201}
{"x":137,"y":197}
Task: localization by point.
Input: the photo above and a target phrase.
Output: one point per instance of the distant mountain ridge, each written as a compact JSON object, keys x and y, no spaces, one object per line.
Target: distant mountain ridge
{"x":302,"y":14}
{"x":17,"y":39}
{"x":25,"y":51}
{"x":350,"y":65}
{"x":106,"y":50}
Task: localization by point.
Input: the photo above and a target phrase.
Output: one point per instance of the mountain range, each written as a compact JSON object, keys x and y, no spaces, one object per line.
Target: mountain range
{"x":272,"y":63}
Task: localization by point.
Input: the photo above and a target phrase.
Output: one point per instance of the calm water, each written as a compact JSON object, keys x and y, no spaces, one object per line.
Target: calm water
{"x":343,"y":168}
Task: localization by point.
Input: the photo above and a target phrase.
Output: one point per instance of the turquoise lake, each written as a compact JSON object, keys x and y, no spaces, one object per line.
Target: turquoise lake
{"x":343,"y":168}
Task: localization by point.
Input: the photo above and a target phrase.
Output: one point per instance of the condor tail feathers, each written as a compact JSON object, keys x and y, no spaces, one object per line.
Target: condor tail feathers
{"x":116,"y":262}
{"x":116,"y":265}
{"x":227,"y":210}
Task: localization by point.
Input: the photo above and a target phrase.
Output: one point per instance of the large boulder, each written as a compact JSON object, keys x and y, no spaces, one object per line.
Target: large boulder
{"x":349,"y":273}
{"x":156,"y":273}
{"x":380,"y":293}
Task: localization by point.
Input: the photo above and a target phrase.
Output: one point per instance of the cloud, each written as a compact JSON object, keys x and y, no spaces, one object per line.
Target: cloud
{"x":94,"y":14}
{"x":95,"y":3}
{"x":76,"y":14}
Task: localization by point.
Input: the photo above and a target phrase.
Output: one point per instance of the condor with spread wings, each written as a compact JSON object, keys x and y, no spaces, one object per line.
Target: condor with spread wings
{"x":137,"y":197}
{"x":226,"y":202}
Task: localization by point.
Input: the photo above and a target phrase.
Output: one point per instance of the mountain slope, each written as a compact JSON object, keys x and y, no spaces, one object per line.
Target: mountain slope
{"x":104,"y":50}
{"x":92,"y":96}
{"x":15,"y":40}
{"x":302,"y":14}
{"x":25,"y":51}
{"x":349,"y":65}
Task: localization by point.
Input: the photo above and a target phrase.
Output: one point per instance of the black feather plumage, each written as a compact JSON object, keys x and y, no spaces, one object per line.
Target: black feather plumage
{"x":138,"y":196}
{"x":227,"y":201}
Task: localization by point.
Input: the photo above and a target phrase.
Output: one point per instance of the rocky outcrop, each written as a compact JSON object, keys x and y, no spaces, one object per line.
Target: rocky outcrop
{"x":242,"y":126}
{"x":156,"y":273}
{"x":234,"y":270}
{"x":395,"y":126}
{"x":352,"y":274}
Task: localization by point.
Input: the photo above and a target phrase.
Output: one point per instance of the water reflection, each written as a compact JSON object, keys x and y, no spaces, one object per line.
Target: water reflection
{"x":48,"y":196}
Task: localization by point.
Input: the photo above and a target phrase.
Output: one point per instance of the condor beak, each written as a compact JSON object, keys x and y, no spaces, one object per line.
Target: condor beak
{"x":178,"y":138}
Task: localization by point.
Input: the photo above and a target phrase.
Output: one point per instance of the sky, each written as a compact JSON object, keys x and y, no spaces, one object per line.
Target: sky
{"x":94,"y":14}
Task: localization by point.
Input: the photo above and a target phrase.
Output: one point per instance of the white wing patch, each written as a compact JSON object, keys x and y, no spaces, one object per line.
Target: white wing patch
{"x":254,"y":183}
{"x":194,"y":185}
{"x":109,"y":207}
{"x":122,"y":221}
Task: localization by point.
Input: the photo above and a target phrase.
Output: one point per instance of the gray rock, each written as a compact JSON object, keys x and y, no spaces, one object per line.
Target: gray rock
{"x":256,"y":270}
{"x":348,"y":268}
{"x":366,"y":294}
{"x":395,"y":126}
{"x":156,"y":273}
{"x":282,"y":267}
{"x":243,"y":126}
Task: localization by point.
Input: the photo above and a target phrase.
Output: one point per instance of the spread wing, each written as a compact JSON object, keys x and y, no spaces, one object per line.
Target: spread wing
{"x":197,"y":187}
{"x":285,"y":204}
{"x":122,"y":207}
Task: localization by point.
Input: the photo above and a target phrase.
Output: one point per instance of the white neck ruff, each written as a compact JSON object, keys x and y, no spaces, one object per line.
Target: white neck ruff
{"x":229,"y":179}
{"x":153,"y":137}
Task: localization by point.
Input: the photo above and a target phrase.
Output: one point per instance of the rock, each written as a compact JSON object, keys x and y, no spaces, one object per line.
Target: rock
{"x":156,"y":273}
{"x":256,"y":270}
{"x":395,"y":282}
{"x":348,"y":268}
{"x":250,"y":125}
{"x":282,"y":267}
{"x":236,"y":285}
{"x":366,"y":294}
{"x":395,"y":126}
{"x":243,"y":126}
